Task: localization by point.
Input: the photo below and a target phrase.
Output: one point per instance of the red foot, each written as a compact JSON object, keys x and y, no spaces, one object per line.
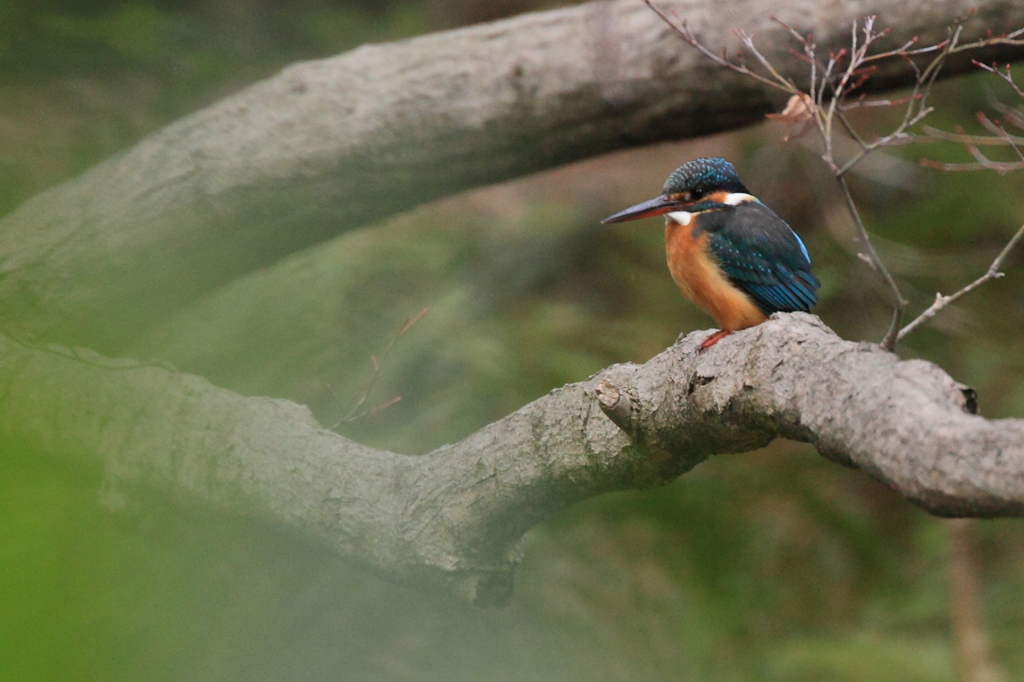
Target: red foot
{"x":713,"y":339}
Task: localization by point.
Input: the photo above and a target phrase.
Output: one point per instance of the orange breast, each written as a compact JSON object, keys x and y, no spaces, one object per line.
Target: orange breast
{"x":703,"y":282}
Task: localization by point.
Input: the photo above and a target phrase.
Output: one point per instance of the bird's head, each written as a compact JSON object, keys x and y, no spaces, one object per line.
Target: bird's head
{"x":700,"y":185}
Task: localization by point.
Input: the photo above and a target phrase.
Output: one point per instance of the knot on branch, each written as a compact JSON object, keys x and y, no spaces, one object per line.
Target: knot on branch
{"x":616,"y":404}
{"x":970,"y":405}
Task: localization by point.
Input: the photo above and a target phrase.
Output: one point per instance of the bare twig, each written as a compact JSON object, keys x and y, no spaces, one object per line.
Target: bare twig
{"x":1013,"y":116}
{"x":999,"y":135}
{"x":892,"y":335}
{"x":355,"y":413}
{"x":683,"y":30}
{"x":935,"y":134}
{"x":941,"y":301}
{"x":1005,"y":74}
{"x":998,"y":166}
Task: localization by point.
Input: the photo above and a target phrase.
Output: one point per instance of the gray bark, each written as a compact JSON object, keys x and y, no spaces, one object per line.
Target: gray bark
{"x":332,"y":144}
{"x":453,"y":519}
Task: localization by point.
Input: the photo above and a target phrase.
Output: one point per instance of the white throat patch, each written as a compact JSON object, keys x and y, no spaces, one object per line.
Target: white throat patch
{"x":681,"y":217}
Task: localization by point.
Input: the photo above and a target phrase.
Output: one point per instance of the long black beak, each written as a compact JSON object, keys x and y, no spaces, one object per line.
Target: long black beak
{"x":656,"y":206}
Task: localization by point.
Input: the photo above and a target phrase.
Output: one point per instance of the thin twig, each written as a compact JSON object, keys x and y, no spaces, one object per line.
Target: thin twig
{"x":891,"y":336}
{"x":683,"y":30}
{"x":1005,"y":75}
{"x":1000,"y":136}
{"x":1014,"y":116}
{"x":378,"y":363}
{"x":934,"y":134}
{"x":941,"y":301}
{"x":997,"y":166}
{"x":1001,"y":133}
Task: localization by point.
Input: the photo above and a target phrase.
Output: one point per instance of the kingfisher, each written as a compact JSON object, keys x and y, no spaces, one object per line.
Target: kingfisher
{"x":727,"y":252}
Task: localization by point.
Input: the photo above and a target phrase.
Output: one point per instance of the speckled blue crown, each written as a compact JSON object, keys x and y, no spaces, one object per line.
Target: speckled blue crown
{"x":706,"y":175}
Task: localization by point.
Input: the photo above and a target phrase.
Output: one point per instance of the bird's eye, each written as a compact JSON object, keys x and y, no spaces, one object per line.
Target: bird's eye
{"x":696,"y":194}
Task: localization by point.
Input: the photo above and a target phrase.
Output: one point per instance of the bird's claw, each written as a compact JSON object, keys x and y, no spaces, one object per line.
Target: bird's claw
{"x":713,"y":339}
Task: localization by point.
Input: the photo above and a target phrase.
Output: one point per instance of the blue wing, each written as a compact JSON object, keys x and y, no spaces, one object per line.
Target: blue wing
{"x":762,"y":256}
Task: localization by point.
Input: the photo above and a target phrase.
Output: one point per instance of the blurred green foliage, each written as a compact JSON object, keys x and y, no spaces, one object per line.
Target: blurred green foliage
{"x":773,"y":565}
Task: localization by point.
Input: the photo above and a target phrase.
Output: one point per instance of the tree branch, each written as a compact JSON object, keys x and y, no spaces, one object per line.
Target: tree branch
{"x":941,"y":301}
{"x":454,"y":518}
{"x":329,"y":145}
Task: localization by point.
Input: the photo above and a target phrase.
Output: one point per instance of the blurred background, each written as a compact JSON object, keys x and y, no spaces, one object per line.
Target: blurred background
{"x":774,"y":565}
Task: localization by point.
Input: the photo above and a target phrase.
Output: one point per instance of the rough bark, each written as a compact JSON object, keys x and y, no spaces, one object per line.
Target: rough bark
{"x":453,"y":519}
{"x":331,"y":144}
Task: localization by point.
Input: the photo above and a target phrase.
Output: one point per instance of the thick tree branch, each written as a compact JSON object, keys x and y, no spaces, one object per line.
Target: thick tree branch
{"x":331,"y":144}
{"x":454,"y":518}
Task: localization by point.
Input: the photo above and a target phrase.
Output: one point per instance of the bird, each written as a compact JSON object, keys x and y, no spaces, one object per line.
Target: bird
{"x":728,"y":252}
